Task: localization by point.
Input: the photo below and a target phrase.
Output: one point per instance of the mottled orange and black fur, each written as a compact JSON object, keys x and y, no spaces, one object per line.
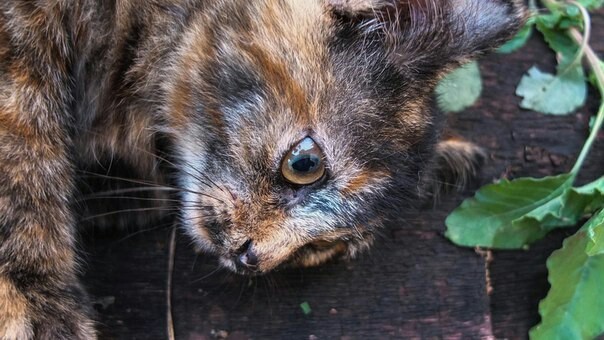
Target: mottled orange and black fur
{"x":201,"y":99}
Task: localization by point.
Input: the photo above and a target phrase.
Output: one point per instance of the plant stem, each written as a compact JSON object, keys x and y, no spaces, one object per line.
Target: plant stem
{"x":585,"y":41}
{"x":595,"y":64}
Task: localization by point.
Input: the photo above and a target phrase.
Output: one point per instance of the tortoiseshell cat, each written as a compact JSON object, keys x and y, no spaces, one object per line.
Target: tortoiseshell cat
{"x":292,"y":127}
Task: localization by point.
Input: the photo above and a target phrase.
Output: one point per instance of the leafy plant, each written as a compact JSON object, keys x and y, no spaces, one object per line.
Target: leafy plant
{"x":460,"y":89}
{"x":513,"y":214}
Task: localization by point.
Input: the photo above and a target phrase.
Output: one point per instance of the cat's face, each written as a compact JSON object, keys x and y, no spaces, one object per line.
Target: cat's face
{"x":300,"y":125}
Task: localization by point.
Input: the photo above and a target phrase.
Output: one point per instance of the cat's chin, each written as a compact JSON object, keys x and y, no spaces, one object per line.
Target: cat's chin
{"x":311,"y":255}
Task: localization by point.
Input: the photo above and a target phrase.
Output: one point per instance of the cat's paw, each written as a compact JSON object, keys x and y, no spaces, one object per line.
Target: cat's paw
{"x":43,"y":314}
{"x":17,"y":325}
{"x":74,"y":324}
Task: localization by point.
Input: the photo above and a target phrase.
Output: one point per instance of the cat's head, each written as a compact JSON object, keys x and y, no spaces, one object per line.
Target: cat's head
{"x":300,"y":124}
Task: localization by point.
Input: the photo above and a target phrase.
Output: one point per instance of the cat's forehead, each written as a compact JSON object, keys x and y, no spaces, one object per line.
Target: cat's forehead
{"x":274,"y":68}
{"x":287,"y":49}
{"x":240,"y":51}
{"x":293,"y":31}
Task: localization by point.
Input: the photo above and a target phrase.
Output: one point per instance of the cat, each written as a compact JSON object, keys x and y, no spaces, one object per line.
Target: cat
{"x":287,"y":130}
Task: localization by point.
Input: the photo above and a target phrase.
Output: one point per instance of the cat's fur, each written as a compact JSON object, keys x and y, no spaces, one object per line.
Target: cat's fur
{"x":221,"y":89}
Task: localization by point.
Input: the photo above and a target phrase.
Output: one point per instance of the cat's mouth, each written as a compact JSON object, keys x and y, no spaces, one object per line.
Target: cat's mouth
{"x":317,"y":252}
{"x":310,"y":255}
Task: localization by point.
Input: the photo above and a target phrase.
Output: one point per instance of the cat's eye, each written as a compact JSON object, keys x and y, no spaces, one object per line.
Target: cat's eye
{"x":303,"y":164}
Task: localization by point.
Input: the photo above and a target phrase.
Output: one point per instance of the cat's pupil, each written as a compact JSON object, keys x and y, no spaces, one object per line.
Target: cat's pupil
{"x":305,"y":164}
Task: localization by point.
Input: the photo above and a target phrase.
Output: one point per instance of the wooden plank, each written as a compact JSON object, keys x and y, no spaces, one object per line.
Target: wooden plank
{"x":538,"y":146}
{"x":409,"y":287}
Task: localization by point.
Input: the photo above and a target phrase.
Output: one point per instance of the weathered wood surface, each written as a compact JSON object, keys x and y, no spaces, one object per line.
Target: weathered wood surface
{"x":414,"y":284}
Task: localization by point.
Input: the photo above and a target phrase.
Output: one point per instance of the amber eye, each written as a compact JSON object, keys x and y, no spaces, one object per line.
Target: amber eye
{"x":303,"y":164}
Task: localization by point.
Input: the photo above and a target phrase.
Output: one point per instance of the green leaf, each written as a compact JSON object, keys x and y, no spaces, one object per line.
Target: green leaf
{"x":520,"y":39}
{"x":587,"y":198}
{"x":591,"y":4}
{"x":560,"y":20}
{"x":572,"y":11}
{"x":558,"y":95}
{"x":460,"y":89}
{"x":592,"y":76}
{"x":514,"y":214}
{"x":568,"y":208}
{"x":305,"y":306}
{"x":557,"y":37}
{"x":507,"y":214}
{"x":595,"y":245}
{"x":548,"y":20}
{"x":574,"y":306}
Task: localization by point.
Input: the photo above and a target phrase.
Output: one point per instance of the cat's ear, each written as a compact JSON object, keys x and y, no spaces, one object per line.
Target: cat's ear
{"x":432,"y":33}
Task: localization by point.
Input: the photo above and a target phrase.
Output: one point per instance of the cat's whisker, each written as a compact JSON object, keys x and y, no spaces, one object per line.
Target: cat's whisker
{"x":137,"y":181}
{"x":216,"y":270}
{"x":196,"y":207}
{"x":149,"y":199}
{"x":198,"y":172}
{"x":141,"y":231}
{"x":123,"y":211}
{"x":199,"y":218}
{"x":127,"y":191}
{"x":150,"y":184}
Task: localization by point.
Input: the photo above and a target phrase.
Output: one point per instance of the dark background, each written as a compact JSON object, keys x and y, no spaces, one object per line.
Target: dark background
{"x":413,"y":284}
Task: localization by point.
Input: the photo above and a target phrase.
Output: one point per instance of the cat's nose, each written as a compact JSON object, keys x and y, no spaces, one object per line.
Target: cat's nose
{"x":247,"y":257}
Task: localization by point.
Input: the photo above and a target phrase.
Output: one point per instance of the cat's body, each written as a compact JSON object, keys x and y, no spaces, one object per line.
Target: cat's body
{"x":289,"y":127}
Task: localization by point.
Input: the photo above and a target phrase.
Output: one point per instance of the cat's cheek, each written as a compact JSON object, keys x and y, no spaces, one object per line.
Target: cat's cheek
{"x":202,"y":240}
{"x":192,"y":221}
{"x":228,"y":264}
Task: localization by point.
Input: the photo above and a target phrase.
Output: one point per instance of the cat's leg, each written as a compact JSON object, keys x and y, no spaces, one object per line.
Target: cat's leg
{"x":40,"y":297}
